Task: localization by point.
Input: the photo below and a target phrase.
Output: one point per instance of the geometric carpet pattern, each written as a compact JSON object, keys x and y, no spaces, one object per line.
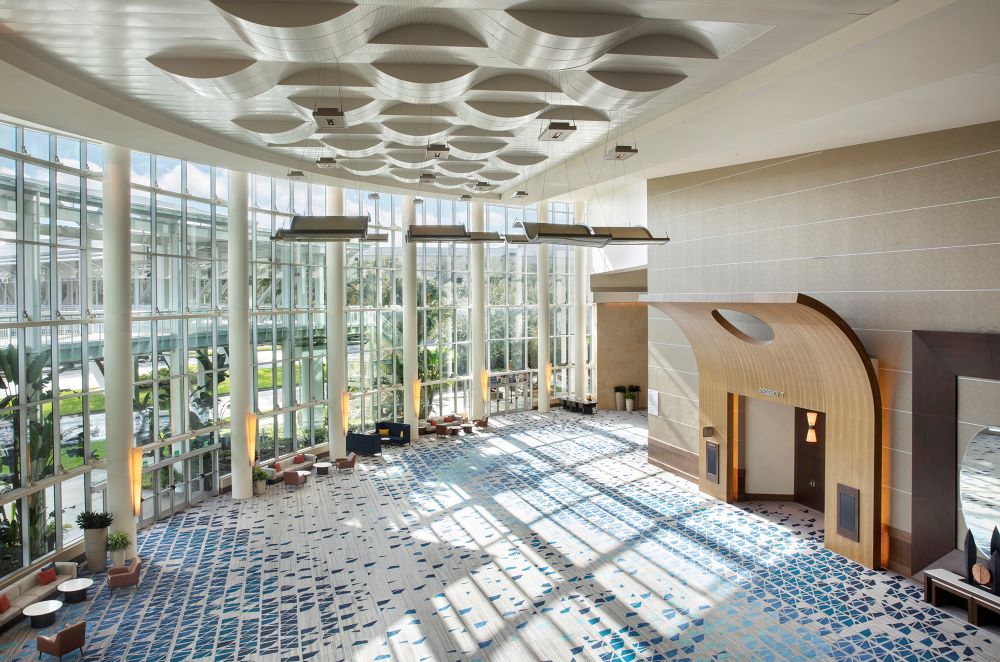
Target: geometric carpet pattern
{"x":547,"y":538}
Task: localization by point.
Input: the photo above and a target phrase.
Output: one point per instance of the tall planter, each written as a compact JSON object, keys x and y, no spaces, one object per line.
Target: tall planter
{"x":619,"y":401}
{"x":630,"y":404}
{"x":95,"y":542}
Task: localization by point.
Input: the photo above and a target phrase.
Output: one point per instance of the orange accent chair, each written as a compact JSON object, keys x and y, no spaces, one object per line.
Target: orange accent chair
{"x":127,"y":576}
{"x":482,"y":422}
{"x":64,"y":642}
{"x":294,"y":478}
{"x":346,"y":463}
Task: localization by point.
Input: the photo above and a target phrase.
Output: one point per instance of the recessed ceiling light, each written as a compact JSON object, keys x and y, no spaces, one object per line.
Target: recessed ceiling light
{"x":437,"y":151}
{"x":326,"y":162}
{"x":620,"y":153}
{"x":330,"y":118}
{"x":557,"y":131}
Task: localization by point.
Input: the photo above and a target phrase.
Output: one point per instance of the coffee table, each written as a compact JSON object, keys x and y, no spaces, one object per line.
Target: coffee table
{"x":467,"y":428}
{"x":43,"y":614}
{"x":75,"y":590}
{"x":323,"y":468}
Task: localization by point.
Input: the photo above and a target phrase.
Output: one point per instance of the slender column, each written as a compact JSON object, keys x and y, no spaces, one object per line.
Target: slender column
{"x":240,"y":358}
{"x":580,"y":282}
{"x":544,"y":341}
{"x":336,"y":323}
{"x":410,"y":413}
{"x":477,"y":322}
{"x":118,"y":340}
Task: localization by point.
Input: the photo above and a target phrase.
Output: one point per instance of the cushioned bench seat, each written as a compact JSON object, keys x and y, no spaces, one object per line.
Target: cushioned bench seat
{"x":289,"y":464}
{"x":28,"y":591}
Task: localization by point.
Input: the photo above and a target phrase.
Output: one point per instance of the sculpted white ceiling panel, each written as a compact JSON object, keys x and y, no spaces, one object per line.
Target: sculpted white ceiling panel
{"x":277,"y":129}
{"x":217,"y":77}
{"x":482,"y":76}
{"x":299,"y":31}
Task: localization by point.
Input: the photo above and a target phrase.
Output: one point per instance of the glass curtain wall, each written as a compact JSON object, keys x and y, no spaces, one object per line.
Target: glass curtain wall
{"x":511,"y":304}
{"x":561,"y":271}
{"x":443,"y":313}
{"x":374,"y":313}
{"x":287,"y":319}
{"x":51,"y":341}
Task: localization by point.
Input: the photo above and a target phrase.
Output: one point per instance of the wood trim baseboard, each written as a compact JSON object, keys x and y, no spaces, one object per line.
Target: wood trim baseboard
{"x":678,"y":461}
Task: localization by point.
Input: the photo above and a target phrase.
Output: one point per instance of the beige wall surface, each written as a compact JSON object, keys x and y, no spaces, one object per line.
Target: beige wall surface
{"x":621,"y":351}
{"x":769,"y":447}
{"x":895,"y":235}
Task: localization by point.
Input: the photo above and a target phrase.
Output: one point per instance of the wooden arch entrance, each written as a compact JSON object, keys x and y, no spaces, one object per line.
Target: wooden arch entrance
{"x":814,"y":361}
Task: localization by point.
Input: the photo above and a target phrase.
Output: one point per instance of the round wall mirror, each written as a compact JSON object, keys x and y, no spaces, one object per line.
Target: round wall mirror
{"x":979,"y":486}
{"x":748,"y":328}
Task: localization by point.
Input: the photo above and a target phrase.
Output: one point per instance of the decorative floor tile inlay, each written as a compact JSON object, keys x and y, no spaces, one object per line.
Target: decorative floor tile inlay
{"x":547,"y":538}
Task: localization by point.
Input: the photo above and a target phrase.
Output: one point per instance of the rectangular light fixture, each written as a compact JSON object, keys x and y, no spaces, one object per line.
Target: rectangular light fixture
{"x":427,"y":177}
{"x":437,"y":151}
{"x":375,"y":197}
{"x":628,"y":235}
{"x":326,"y":162}
{"x":482,"y":187}
{"x":329,"y":118}
{"x":453,"y":233}
{"x":465,"y":197}
{"x":520,"y":194}
{"x":296,"y":174}
{"x":328,"y":228}
{"x":621,"y":153}
{"x":556,"y":233}
{"x":557,"y":131}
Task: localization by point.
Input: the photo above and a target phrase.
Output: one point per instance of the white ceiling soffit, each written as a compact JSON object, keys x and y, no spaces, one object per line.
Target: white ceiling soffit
{"x":873,"y":80}
{"x":230,"y":75}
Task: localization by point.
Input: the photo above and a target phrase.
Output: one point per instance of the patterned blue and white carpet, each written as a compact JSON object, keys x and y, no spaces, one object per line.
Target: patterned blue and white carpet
{"x":549,"y":538}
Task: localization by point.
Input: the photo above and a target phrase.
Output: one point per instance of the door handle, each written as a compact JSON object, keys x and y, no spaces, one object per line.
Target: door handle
{"x":812,"y":483}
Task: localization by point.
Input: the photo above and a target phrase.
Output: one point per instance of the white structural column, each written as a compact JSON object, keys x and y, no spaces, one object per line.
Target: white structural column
{"x":580,"y":284}
{"x":240,"y":359}
{"x":336,"y":323}
{"x":118,"y":340}
{"x":477,"y":325}
{"x":410,"y":413}
{"x":544,"y":340}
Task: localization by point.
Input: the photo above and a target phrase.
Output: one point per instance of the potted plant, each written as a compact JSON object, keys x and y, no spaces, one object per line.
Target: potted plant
{"x":630,"y":394}
{"x":95,"y":538}
{"x":259,"y":480}
{"x":619,"y":398}
{"x":118,"y":543}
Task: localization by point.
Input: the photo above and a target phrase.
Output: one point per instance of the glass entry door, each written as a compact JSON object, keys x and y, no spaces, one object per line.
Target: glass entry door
{"x":172,"y":485}
{"x":511,"y":392}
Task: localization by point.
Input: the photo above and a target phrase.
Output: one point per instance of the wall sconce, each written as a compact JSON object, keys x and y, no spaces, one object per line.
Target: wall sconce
{"x":252,"y":437}
{"x":484,"y":376}
{"x":345,"y":410}
{"x":811,"y":418}
{"x":416,"y":397}
{"x":548,"y":380}
{"x":135,"y":469}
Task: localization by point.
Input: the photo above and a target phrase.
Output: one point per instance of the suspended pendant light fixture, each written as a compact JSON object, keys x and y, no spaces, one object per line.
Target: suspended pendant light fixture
{"x":329,"y":228}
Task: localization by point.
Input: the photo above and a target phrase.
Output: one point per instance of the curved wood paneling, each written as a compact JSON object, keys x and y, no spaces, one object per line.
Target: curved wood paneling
{"x":816,"y":362}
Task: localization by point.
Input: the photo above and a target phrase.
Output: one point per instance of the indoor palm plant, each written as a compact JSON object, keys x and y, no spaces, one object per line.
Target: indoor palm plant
{"x":259,"y":480}
{"x":95,"y":538}
{"x":118,"y":544}
{"x":619,"y":398}
{"x":630,"y":394}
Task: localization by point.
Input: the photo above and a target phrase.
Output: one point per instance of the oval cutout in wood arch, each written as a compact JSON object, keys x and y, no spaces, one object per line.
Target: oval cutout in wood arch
{"x":748,"y":328}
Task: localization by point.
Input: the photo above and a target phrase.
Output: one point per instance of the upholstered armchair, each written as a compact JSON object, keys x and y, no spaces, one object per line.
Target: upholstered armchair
{"x":293,"y":478}
{"x":346,"y":463}
{"x":64,"y":642}
{"x":482,"y":422}
{"x":127,"y":576}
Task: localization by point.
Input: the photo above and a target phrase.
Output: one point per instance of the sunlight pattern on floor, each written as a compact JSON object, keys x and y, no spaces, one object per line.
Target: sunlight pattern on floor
{"x":548,"y":538}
